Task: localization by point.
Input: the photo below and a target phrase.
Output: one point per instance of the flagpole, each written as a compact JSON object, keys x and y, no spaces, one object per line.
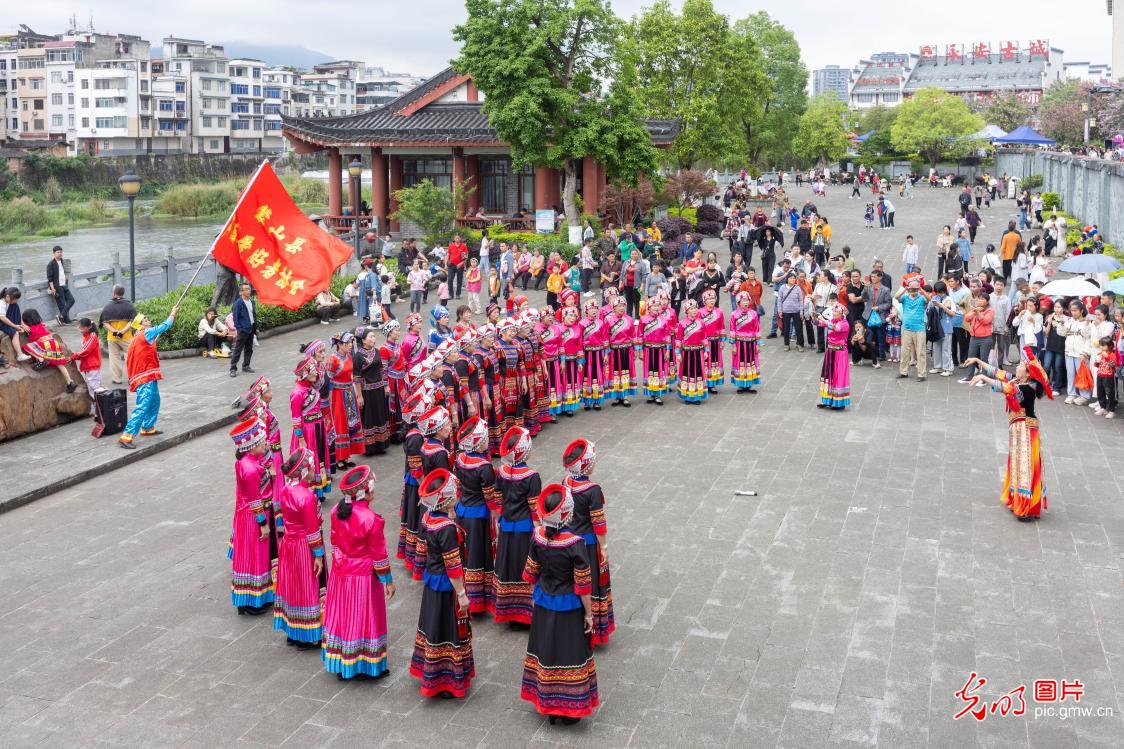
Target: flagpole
{"x":211,"y":251}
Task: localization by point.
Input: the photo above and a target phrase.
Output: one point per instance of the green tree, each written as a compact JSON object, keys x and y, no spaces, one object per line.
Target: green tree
{"x":767,"y":140}
{"x":430,"y":206}
{"x":881,"y":121}
{"x":822,"y":134}
{"x":1007,"y":111}
{"x":935,"y":125}
{"x":695,"y":70}
{"x":554,"y":89}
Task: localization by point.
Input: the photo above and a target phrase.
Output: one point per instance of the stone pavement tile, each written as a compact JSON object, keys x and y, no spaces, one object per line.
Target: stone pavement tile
{"x":815,"y":685}
{"x":729,"y":678}
{"x":19,"y":735}
{"x":856,"y":720}
{"x":676,"y":693}
{"x":1051,"y":734}
{"x":998,"y":732}
{"x":910,"y":656}
{"x":180,"y":651}
{"x":750,"y":734}
{"x":777,"y":667}
{"x":806,"y":725}
{"x":864,"y":677}
{"x":744,"y":642}
{"x":16,"y":708}
{"x":309,"y":735}
{"x":54,"y":679}
{"x":712,"y":720}
{"x":73,"y":725}
{"x":283,"y":721}
{"x":1082,"y":652}
{"x":658,"y":729}
{"x":483,"y":704}
{"x":139,"y":733}
{"x":127,"y":644}
{"x":697,"y":653}
{"x":121,"y":689}
{"x":902,"y":703}
{"x":587,"y":733}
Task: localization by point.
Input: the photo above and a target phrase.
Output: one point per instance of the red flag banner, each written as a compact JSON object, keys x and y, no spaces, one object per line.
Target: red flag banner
{"x":268,"y":240}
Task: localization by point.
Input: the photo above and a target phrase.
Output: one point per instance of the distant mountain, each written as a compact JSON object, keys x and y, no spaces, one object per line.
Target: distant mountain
{"x":277,"y":54}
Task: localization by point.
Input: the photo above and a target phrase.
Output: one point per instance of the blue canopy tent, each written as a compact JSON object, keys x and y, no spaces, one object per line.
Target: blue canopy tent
{"x":864,"y":136}
{"x":1024,"y":135}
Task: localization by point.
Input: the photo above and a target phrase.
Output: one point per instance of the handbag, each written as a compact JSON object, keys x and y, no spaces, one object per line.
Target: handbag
{"x":1083,"y":380}
{"x":874,"y":320}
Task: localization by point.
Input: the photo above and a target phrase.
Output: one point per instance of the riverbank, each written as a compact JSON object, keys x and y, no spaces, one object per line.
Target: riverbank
{"x":23,"y":219}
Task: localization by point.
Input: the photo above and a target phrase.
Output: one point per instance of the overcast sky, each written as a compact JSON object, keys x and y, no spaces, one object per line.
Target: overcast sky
{"x":414,"y":36}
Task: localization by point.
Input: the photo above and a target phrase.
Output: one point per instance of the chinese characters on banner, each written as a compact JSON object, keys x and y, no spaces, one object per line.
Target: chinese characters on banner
{"x":285,"y":257}
{"x":1008,"y":51}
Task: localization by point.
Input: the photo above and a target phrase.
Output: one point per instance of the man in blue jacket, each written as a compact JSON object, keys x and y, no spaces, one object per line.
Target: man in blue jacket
{"x":246,"y":323}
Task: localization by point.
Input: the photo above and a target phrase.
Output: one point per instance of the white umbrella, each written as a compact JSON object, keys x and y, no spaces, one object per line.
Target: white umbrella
{"x":1070,"y":287}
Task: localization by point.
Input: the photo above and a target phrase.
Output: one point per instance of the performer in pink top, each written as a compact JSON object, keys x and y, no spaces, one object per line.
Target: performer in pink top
{"x":551,"y":336}
{"x":691,"y":354}
{"x":835,"y":375}
{"x":251,"y":587}
{"x":308,"y":421}
{"x":744,"y":333}
{"x":714,"y":322}
{"x":301,"y":574}
{"x":656,"y":337}
{"x":595,"y":341}
{"x":573,"y":360}
{"x":413,"y":345}
{"x":623,"y":343}
{"x":359,"y":586}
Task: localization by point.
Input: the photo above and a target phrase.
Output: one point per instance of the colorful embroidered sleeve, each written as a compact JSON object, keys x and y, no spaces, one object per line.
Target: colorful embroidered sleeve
{"x":253,"y":484}
{"x":489,"y":484}
{"x":996,"y":373}
{"x":597,"y":510}
{"x":531,"y":569}
{"x":450,"y":551}
{"x":534,"y":488}
{"x":583,"y":579}
{"x":413,"y":458}
{"x":377,"y":546}
{"x":310,"y":519}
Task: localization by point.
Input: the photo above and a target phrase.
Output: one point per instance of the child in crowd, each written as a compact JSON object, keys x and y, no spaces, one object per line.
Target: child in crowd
{"x":868,"y":215}
{"x":473,"y":282}
{"x":555,"y":283}
{"x":89,"y":356}
{"x":493,"y":286}
{"x":1106,"y":361}
{"x":386,"y":295}
{"x":574,"y":279}
{"x":45,"y":349}
{"x":11,"y":321}
{"x":351,"y":294}
{"x":893,"y":335}
{"x":443,"y":293}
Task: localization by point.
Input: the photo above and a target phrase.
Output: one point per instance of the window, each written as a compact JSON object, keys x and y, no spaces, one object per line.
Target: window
{"x":144,"y":85}
{"x":181,"y":87}
{"x":144,"y":66}
{"x":31,"y":63}
{"x":56,"y":100}
{"x":164,"y":105}
{"x":165,"y":125}
{"x":56,"y":76}
{"x":146,"y":122}
{"x":85,"y":122}
{"x":257,"y":90}
{"x":239,"y":89}
{"x":257,"y":72}
{"x":105,"y":83}
{"x":257,"y":107}
{"x":70,"y":121}
{"x":864,"y":98}
{"x":111,"y":122}
{"x":272,"y":109}
{"x":181,"y":125}
{"x":38,"y":104}
{"x":56,"y":120}
{"x":36,"y":84}
{"x":238,"y":107}
{"x":38,"y":125}
{"x":85,"y":83}
{"x":319,"y":99}
{"x":892,"y":96}
{"x":181,"y":106}
{"x":527,"y":188}
{"x":60,"y":55}
{"x":214,"y":145}
{"x":273,"y":125}
{"x":102,"y":102}
{"x":85,"y":103}
{"x":222,"y":87}
{"x":221,"y":122}
{"x":206,"y":122}
{"x":494,"y":181}
{"x":239,"y":124}
{"x":70,"y":76}
{"x":206,"y":84}
{"x":438,"y":171}
{"x":70,"y":99}
{"x":272,"y":93}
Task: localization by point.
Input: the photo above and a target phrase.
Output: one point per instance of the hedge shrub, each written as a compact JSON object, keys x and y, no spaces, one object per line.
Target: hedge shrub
{"x":673,"y":227}
{"x":1031,"y":182}
{"x":709,"y":213}
{"x":710,"y":228}
{"x":1051,"y":200}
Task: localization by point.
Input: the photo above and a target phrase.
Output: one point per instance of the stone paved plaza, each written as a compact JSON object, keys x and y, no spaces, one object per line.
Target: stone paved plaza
{"x":844,"y":605}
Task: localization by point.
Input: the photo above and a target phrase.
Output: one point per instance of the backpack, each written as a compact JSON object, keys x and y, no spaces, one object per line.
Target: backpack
{"x":933,"y":330}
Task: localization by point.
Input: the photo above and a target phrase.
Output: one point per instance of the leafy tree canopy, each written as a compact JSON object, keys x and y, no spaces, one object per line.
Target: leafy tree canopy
{"x":822,"y":132}
{"x":936,"y":125}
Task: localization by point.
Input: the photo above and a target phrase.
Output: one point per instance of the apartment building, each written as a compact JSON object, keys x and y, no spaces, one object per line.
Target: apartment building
{"x":278,"y":85}
{"x":247,"y":130}
{"x":204,"y":70}
{"x":9,"y":99}
{"x":31,"y":90}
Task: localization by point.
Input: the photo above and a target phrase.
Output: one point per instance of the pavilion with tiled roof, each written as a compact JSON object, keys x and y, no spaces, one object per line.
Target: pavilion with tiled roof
{"x":439,"y":131}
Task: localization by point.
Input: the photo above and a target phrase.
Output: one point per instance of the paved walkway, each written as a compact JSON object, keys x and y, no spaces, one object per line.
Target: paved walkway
{"x":844,"y":605}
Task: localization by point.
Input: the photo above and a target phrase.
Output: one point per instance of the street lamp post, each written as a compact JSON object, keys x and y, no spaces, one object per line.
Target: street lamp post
{"x":355,"y":168}
{"x":130,"y":185}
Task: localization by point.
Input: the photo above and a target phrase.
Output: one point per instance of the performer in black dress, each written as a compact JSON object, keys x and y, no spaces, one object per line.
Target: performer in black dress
{"x":410,"y":514}
{"x":442,"y":656}
{"x":435,"y":425}
{"x":520,"y":486}
{"x":559,"y":676}
{"x":367,"y":363}
{"x":588,"y":522}
{"x":477,"y":513}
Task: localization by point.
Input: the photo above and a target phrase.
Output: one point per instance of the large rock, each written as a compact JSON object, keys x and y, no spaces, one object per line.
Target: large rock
{"x":31,"y":401}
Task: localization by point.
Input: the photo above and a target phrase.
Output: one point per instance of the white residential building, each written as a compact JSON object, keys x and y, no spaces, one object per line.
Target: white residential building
{"x":110,"y":118}
{"x":208,"y":88}
{"x":247,"y":128}
{"x":278,"y":85}
{"x":169,"y":119}
{"x":375,"y":86}
{"x":9,"y":99}
{"x":332,"y":94}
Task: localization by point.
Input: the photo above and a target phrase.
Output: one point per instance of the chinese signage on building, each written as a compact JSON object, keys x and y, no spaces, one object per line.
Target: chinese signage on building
{"x":1005,"y":51}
